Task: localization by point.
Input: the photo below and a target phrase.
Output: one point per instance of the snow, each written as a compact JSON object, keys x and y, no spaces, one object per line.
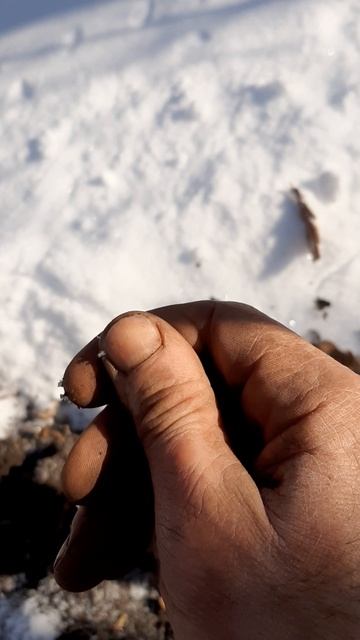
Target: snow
{"x":27,"y":622}
{"x":42,"y":625}
{"x":147,"y":150}
{"x":47,"y":612}
{"x":138,"y":591}
{"x":13,"y":409}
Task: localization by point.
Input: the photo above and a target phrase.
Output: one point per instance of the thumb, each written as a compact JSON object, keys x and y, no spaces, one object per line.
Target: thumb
{"x":159,"y":377}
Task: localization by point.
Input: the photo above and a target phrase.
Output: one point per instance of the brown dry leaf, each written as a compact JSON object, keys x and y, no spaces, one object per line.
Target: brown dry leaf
{"x":121,"y":622}
{"x":309,"y":218}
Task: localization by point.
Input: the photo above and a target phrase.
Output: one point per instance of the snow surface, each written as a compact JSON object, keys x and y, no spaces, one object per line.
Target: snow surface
{"x":27,"y":621}
{"x":147,"y":150}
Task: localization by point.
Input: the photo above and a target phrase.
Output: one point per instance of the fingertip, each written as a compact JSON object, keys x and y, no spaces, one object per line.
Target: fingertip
{"x":76,"y":568}
{"x":103,"y":544}
{"x":84,"y":381}
{"x":85,"y":461}
{"x":74,"y":577}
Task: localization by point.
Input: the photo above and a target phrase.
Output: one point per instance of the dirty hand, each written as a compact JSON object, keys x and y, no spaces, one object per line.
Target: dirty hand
{"x":251,"y":437}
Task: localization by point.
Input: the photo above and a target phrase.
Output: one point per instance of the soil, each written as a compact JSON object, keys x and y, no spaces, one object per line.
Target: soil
{"x":34,"y":521}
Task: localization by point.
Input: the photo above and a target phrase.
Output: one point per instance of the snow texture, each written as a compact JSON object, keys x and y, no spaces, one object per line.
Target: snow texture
{"x":44,"y":613}
{"x":147,"y":150}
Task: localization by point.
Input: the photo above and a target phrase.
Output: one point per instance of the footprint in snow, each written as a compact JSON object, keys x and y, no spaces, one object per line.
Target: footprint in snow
{"x":176,"y":108}
{"x":190,"y":257}
{"x":204,"y":35}
{"x":72,"y":39}
{"x":34,"y":151}
{"x":325,"y":186}
{"x":20,"y":90}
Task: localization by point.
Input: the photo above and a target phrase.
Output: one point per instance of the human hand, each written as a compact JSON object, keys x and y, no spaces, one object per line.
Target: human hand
{"x":251,"y":437}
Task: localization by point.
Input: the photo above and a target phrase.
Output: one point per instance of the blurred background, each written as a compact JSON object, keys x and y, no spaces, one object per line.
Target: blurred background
{"x":148,"y":149}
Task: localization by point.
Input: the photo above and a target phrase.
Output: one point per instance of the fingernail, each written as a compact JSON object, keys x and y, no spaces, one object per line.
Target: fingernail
{"x":61,"y":552}
{"x":131,"y":341}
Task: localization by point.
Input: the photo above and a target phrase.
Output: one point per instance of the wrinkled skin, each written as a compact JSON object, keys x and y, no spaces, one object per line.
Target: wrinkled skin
{"x":233,"y":451}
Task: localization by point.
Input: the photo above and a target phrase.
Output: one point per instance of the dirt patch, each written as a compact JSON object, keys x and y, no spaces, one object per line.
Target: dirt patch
{"x":34,"y":520}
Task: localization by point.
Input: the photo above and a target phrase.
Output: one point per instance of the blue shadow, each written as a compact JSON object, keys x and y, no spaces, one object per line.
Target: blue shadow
{"x":18,"y":13}
{"x":289,"y":237}
{"x":15,"y":14}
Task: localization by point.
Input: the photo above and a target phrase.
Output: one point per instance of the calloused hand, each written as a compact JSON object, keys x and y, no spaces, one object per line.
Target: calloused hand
{"x":233,"y":447}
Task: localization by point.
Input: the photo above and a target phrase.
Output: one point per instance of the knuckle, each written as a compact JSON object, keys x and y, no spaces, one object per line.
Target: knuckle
{"x":177,"y":405}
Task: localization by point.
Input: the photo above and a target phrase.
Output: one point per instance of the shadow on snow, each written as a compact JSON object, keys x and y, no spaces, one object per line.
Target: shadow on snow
{"x":17,"y":13}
